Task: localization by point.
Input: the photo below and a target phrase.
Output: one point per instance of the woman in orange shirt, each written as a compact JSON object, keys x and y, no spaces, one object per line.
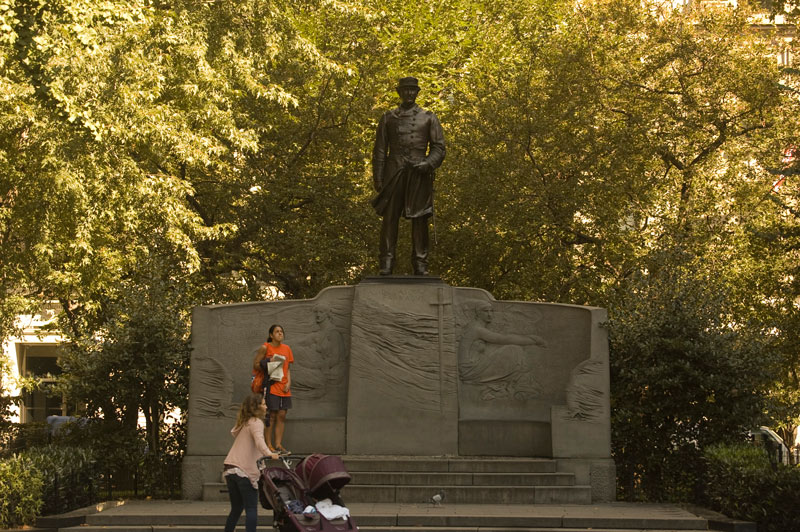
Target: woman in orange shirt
{"x":278,"y":393}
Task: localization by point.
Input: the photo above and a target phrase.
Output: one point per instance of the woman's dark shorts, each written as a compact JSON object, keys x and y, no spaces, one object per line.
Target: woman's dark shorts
{"x":278,"y":402}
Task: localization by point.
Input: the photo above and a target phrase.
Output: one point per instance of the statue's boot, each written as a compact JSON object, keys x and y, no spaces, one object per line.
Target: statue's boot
{"x":387,"y":265}
{"x":420,"y":244}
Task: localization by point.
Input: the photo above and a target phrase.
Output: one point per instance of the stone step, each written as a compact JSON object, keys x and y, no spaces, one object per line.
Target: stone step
{"x":462,"y":479}
{"x":470,"y":494}
{"x":367,"y":524}
{"x":421,"y":528}
{"x":410,"y":479}
{"x":355,"y":463}
{"x":196,"y":516}
{"x":390,"y":493}
{"x":507,"y":529}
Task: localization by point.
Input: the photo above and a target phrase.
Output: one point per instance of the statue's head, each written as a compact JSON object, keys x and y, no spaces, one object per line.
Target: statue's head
{"x":321,"y":313}
{"x":483,"y":311}
{"x":407,"y":89}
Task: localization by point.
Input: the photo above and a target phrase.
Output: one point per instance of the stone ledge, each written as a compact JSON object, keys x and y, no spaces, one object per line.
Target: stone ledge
{"x":402,"y":279}
{"x":721,"y":522}
{"x":73,"y":518}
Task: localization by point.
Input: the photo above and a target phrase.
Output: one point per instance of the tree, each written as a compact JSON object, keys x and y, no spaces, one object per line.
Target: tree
{"x":138,"y":359}
{"x":6,"y":402}
{"x":603,"y":152}
{"x":683,"y":376}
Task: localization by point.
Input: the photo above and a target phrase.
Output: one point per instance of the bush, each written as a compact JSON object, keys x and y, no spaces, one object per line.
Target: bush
{"x":681,"y":378}
{"x":24,"y":436}
{"x":125,"y":464}
{"x":70,"y":476}
{"x":21,"y":488}
{"x":743,"y":484}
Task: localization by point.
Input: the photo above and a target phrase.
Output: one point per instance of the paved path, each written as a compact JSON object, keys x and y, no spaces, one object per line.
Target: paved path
{"x":208,"y":516}
{"x":614,"y":509}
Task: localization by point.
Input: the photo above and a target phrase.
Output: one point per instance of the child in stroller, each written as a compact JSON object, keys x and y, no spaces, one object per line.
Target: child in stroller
{"x":315,"y":482}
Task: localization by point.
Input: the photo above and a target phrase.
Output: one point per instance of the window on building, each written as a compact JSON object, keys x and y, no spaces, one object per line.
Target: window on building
{"x":41,"y":361}
{"x":785,"y":58}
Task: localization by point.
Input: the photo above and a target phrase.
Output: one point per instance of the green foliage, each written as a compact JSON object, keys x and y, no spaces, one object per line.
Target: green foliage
{"x":70,"y":477}
{"x":25,"y":436}
{"x":6,"y":403}
{"x":683,"y":377}
{"x":583,"y":136}
{"x":124,"y":463}
{"x":21,"y":485}
{"x":139,"y":361}
{"x":741,"y":483}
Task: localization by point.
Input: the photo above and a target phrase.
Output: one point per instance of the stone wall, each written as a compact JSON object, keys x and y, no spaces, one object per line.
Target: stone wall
{"x":412,"y":366}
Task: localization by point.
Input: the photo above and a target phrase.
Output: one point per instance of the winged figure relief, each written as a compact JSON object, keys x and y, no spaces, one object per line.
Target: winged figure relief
{"x":213,"y":392}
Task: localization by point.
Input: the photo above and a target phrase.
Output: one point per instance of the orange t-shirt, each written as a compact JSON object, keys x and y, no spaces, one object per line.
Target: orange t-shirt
{"x":276,"y":388}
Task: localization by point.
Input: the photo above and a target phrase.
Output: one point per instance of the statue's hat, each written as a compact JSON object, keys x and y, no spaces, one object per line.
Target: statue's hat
{"x":408,"y":82}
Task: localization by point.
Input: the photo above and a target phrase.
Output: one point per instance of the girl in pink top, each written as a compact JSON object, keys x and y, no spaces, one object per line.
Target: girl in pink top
{"x":241,"y":471}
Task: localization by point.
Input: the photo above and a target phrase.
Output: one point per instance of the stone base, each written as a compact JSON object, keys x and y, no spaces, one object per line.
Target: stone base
{"x":600,"y":474}
{"x":410,"y":366}
{"x":197,"y":471}
{"x":573,"y":438}
{"x":308,"y":435}
{"x":482,"y":437}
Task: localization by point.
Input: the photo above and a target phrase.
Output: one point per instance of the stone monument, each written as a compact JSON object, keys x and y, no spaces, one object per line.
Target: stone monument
{"x":408,"y":365}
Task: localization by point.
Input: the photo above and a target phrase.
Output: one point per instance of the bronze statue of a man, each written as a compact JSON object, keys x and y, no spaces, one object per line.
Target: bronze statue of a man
{"x":409,"y":146}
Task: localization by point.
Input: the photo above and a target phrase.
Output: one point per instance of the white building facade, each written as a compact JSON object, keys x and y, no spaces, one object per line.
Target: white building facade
{"x":34,"y":353}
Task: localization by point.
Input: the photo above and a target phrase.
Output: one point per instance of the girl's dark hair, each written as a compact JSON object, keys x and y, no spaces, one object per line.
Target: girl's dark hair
{"x":272,"y":328}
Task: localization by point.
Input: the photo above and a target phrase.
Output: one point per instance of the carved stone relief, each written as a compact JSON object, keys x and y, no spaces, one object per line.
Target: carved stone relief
{"x":214,"y":389}
{"x":499,"y":363}
{"x":585,"y":397}
{"x":320,"y":367}
{"x":402,"y":343}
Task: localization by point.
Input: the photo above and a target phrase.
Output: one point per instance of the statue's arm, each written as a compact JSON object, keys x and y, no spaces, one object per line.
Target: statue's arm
{"x":436,"y":142}
{"x":379,"y":154}
{"x":509,"y":338}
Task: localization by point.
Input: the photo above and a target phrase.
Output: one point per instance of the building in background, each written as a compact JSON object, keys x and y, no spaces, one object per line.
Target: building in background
{"x":34,"y":353}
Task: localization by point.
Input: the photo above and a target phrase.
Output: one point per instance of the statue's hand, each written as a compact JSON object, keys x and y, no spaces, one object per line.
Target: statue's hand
{"x":423,"y":166}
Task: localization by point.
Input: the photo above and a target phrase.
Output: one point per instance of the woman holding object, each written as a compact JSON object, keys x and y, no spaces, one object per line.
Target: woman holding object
{"x":278,"y":393}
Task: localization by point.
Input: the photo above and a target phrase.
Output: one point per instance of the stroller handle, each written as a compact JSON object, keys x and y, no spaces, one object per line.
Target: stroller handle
{"x":291,"y":460}
{"x":288,"y":461}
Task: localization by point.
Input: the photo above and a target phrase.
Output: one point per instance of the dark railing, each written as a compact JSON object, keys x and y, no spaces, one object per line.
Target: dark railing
{"x":159,"y":480}
{"x":69,"y":492}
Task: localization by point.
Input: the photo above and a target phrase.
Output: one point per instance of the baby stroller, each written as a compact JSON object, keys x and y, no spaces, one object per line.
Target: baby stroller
{"x":287,"y":492}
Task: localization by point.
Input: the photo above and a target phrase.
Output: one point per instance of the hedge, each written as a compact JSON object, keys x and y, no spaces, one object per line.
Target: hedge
{"x":70,"y":474}
{"x":743,"y":484}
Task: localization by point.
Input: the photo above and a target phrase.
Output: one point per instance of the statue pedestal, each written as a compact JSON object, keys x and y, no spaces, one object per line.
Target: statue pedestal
{"x":402,"y":394}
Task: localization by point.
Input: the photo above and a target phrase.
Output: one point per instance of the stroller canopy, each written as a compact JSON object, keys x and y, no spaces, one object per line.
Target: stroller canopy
{"x":323,"y":475}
